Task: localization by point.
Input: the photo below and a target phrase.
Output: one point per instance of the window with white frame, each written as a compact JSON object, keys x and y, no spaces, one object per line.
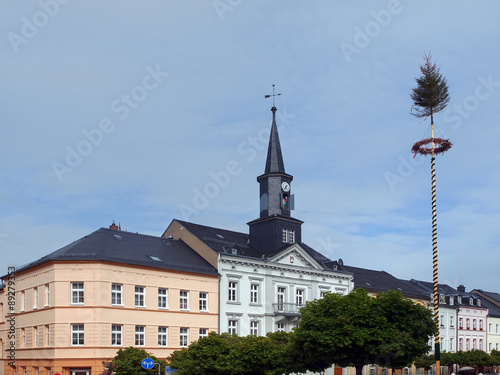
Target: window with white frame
{"x":452,"y":300}
{"x":461,"y":323}
{"x":497,"y":328}
{"x":474,"y":344}
{"x":47,"y":335}
{"x":467,"y":323}
{"x":280,"y":327}
{"x":162,"y":298}
{"x":480,"y":344}
{"x":490,"y":328}
{"x":281,"y":298}
{"x":480,"y":324}
{"x":254,"y":293}
{"x":442,"y":298}
{"x":232,"y":326}
{"x":35,"y":336}
{"x":451,"y":344}
{"x":474,"y":324}
{"x":77,"y":335}
{"x":184,"y":300}
{"x":452,"y":321}
{"x":478,"y":302}
{"x":459,"y":299}
{"x":254,"y":328}
{"x":47,"y":295}
{"x":162,"y":336}
{"x":490,"y":346}
{"x":288,"y":235}
{"x":460,"y":344}
{"x":23,"y":300}
{"x":299,"y":297}
{"x":140,"y":335}
{"x":117,"y":294}
{"x":467,"y":344}
{"x":203,"y":301}
{"x":203,"y":332}
{"x":116,"y":334}
{"x":441,"y":320}
{"x":183,"y":337}
{"x":35,"y":298}
{"x":140,"y":296}
{"x":232,"y":291}
{"x":77,"y":293}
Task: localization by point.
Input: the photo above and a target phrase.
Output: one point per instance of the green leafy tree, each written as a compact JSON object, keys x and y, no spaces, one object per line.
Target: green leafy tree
{"x":425,"y":362}
{"x":225,"y":354}
{"x":495,"y":357}
{"x":356,"y":329}
{"x":128,"y":361}
{"x":478,"y":358}
{"x":431,"y":94}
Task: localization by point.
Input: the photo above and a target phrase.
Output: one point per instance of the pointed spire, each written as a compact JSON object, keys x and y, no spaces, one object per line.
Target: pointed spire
{"x":274,"y":162}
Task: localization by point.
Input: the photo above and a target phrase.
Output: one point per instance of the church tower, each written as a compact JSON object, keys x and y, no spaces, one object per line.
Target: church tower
{"x":275,"y":228}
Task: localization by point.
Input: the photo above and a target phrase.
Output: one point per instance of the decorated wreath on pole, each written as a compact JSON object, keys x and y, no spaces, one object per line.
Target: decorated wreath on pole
{"x":438,"y":145}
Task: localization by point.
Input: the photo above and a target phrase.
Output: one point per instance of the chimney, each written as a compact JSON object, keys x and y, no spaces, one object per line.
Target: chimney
{"x":461,"y":288}
{"x":113,"y":226}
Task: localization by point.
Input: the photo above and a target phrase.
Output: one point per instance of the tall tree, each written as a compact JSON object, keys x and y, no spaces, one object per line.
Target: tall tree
{"x":225,"y":354}
{"x":128,"y":361}
{"x":356,"y":330}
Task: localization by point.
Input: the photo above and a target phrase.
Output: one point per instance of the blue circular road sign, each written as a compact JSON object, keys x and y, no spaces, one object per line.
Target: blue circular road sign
{"x":148,"y":363}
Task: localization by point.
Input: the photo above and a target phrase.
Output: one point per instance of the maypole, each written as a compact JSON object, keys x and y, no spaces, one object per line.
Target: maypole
{"x":429,"y":97}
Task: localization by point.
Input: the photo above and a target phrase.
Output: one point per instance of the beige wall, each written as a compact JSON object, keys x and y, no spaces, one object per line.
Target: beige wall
{"x":178,"y":232}
{"x":97,"y":314}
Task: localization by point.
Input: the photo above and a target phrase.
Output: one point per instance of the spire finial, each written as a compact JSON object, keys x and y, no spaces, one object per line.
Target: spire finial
{"x":273,"y":95}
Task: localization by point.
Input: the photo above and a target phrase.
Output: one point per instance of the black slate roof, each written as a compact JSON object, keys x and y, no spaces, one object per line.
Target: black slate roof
{"x":494,"y":297}
{"x":428,"y":287}
{"x":130,"y":248}
{"x":274,"y":162}
{"x":493,"y":309}
{"x":222,"y":241}
{"x":381,"y":281}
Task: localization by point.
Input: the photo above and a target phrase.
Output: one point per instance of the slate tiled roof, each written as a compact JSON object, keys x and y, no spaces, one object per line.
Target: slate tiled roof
{"x":274,"y":162}
{"x":493,"y":309}
{"x":130,"y":248}
{"x":428,"y":287}
{"x":492,"y":296}
{"x":222,"y":241}
{"x":381,"y":281}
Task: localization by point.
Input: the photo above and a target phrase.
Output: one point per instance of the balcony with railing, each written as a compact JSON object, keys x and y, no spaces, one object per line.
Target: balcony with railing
{"x":287,"y":308}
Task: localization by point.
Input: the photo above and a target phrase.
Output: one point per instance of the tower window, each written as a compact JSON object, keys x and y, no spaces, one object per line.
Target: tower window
{"x":288,"y":235}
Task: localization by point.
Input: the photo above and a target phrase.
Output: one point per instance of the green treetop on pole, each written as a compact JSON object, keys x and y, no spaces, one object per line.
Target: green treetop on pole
{"x":431,"y":94}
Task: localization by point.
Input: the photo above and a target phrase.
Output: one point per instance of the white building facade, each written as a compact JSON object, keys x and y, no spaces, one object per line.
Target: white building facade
{"x":265,"y":296}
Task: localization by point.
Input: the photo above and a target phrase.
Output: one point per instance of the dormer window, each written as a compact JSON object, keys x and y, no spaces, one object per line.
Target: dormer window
{"x":451,"y":300}
{"x":288,"y":235}
{"x":478,"y":302}
{"x":441,"y":298}
{"x":471,"y":301}
{"x":459,"y":299}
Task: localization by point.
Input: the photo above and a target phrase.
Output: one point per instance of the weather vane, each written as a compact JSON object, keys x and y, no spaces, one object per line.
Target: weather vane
{"x":273,"y":95}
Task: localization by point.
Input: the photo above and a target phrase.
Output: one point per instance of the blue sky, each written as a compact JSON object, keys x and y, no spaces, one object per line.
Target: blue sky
{"x":142,"y":112}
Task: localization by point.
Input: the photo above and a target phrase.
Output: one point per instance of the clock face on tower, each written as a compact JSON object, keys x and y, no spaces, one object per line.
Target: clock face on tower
{"x":285,"y":186}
